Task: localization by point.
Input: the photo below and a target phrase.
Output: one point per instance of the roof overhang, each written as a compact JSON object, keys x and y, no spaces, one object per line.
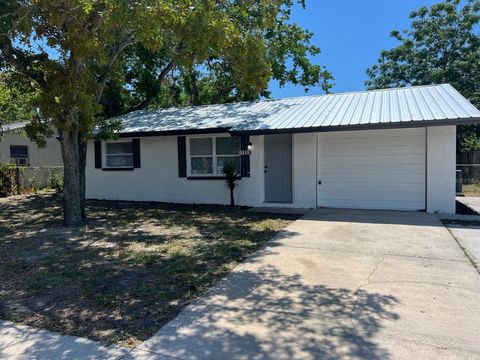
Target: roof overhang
{"x":173,"y":132}
{"x":377,"y":126}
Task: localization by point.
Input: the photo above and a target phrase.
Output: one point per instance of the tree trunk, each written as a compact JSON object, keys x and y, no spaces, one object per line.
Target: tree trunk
{"x":232,"y":200}
{"x":83,"y":163}
{"x":73,"y":178}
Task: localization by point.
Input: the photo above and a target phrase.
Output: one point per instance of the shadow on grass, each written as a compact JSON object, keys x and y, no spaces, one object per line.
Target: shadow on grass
{"x":127,"y":272}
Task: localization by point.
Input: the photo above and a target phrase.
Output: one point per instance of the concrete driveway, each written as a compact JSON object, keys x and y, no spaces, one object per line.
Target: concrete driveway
{"x":338,"y":284}
{"x":468,"y":236}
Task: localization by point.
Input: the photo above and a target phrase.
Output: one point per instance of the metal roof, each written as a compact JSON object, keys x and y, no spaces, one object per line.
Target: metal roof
{"x":13,"y":126}
{"x":399,"y":107}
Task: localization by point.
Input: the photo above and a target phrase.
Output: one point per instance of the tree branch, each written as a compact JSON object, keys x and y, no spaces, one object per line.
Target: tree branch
{"x":125,"y":41}
{"x":21,"y":62}
{"x":150,"y":97}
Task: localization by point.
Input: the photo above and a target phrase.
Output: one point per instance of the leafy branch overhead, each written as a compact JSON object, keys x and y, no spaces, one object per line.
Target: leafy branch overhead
{"x":442,"y":45}
{"x":156,"y":78}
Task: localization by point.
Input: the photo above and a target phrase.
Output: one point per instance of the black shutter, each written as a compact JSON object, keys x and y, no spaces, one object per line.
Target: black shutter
{"x":182,"y":156}
{"x":136,"y":153}
{"x":98,"y":154}
{"x":245,"y":156}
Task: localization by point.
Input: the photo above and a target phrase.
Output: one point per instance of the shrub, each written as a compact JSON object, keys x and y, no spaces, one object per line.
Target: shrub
{"x":9,"y":178}
{"x":56,"y":180}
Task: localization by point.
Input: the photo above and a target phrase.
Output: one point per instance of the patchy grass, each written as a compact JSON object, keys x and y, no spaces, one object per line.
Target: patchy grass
{"x":471,"y":189}
{"x":124,"y":274}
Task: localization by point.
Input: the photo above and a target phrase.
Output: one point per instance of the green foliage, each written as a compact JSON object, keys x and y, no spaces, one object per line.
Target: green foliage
{"x":72,"y":49}
{"x":471,"y":139}
{"x":90,"y":60}
{"x":8,"y":179}
{"x":442,"y":45}
{"x":231,"y":174}
{"x":55,"y":180}
{"x":278,"y":49}
{"x":17,"y":99}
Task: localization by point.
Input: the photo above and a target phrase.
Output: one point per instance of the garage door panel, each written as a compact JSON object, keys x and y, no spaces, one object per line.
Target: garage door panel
{"x":371,"y":195}
{"x":381,"y":169}
{"x":371,"y":179}
{"x":372,"y":134}
{"x":377,"y":205}
{"x":356,"y":169}
{"x":377,"y":160}
{"x":375,"y":150}
{"x":368,"y":185}
{"x":349,"y":143}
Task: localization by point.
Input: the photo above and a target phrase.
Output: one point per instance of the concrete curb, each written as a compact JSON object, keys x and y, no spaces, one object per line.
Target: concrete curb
{"x":456,"y":217}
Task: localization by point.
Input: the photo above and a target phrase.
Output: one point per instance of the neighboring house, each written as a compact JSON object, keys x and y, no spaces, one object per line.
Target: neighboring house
{"x":16,"y":148}
{"x":382,"y":149}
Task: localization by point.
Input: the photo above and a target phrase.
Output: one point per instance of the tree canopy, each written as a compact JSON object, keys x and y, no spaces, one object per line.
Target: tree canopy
{"x":17,"y":101}
{"x":155,"y":79}
{"x":442,"y":45}
{"x":90,"y":59}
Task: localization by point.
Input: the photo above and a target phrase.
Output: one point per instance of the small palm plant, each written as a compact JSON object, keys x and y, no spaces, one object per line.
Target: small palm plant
{"x":231,"y":174}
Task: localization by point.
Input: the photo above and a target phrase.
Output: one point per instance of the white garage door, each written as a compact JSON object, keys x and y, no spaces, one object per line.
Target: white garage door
{"x":374,"y":169}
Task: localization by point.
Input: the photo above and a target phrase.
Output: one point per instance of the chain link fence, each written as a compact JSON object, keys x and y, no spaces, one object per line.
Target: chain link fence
{"x":470,"y":173}
{"x":20,"y":179}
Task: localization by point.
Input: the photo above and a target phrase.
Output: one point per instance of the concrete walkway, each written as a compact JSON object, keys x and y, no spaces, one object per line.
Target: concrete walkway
{"x":24,"y":342}
{"x":473,"y":202}
{"x":339,"y":284}
{"x":469,"y":238}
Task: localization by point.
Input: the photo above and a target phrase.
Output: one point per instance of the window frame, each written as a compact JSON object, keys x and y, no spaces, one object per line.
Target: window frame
{"x":214,"y":156}
{"x":105,"y":155}
{"x":27,"y":158}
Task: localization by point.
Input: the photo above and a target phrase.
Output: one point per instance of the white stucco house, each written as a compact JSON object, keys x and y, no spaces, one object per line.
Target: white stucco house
{"x":17,"y":148}
{"x":382,"y":149}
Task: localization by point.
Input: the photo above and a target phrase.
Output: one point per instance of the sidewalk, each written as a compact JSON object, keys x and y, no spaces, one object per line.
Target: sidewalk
{"x":473,"y":202}
{"x":24,"y":342}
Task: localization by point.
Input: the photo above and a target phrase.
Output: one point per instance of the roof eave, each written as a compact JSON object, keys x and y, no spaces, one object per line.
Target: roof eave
{"x":173,"y":132}
{"x":387,"y":125}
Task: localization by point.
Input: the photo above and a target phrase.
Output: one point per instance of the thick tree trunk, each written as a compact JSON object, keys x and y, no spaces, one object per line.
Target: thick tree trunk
{"x":83,"y":163}
{"x":73,"y":178}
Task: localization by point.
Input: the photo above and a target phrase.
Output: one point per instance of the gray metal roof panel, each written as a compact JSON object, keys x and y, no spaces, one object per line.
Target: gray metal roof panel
{"x":375,"y":107}
{"x":13,"y":126}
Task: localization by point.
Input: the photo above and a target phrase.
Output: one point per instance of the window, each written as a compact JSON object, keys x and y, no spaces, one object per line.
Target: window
{"x":201,"y":156}
{"x":19,"y":154}
{"x":227,"y":149}
{"x":119,"y":154}
{"x":207,"y":155}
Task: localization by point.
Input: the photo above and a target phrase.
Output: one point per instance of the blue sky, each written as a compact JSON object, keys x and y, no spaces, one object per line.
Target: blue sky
{"x":350,"y":34}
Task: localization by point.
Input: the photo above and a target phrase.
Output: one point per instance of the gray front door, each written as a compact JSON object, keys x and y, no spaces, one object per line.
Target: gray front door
{"x":278,"y":168}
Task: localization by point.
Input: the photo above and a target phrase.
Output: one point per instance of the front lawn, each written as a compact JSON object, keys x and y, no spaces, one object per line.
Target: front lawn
{"x":127,"y":272}
{"x":471,"y":189}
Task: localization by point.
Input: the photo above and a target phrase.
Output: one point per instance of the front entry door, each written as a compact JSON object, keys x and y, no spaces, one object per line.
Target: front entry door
{"x":278,"y":168}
